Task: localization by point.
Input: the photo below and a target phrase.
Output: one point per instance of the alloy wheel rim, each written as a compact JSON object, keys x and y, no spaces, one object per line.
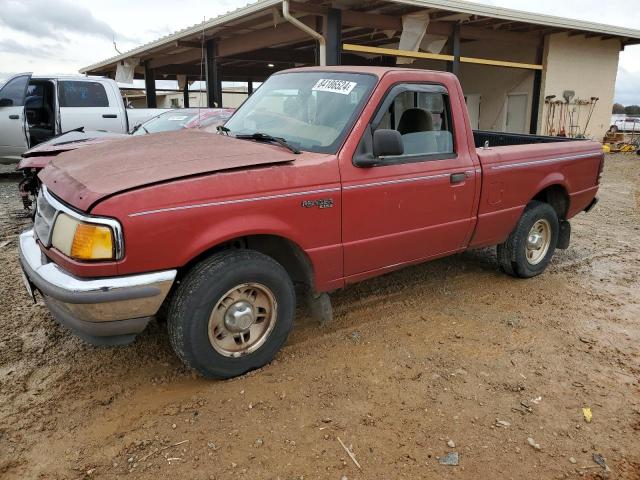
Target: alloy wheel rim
{"x":242,"y":320}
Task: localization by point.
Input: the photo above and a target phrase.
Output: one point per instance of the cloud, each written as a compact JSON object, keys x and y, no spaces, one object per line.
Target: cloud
{"x":52,"y":18}
{"x":627,"y":91}
{"x":42,"y":50}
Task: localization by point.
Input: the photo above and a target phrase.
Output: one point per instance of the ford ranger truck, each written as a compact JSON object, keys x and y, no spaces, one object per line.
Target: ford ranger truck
{"x":323,"y":178}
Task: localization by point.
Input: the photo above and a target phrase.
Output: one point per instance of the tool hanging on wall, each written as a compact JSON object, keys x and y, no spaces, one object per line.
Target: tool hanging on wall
{"x":568,"y":96}
{"x":562,"y":119}
{"x":571,"y":126}
{"x":550,"y":113}
{"x":594,"y":102}
{"x":565,"y":116}
{"x":554,"y":106}
{"x":560,"y":112}
{"x":581,"y":104}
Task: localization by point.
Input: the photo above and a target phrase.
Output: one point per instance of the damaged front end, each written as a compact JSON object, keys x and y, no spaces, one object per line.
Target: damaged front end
{"x":29,"y":187}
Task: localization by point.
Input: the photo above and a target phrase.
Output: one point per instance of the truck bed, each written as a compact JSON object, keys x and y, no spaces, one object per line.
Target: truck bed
{"x":519,"y":168}
{"x":503,"y":139}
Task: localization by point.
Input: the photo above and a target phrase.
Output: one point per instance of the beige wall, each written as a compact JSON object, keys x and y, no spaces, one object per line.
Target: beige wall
{"x":493,"y":84}
{"x":589,"y":67}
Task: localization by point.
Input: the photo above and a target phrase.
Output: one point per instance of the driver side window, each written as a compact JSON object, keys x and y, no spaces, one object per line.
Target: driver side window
{"x":12,"y":94}
{"x":423,"y":119}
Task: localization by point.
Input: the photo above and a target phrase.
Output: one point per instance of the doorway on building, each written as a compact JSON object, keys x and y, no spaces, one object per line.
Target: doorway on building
{"x":516,"y":117}
{"x":473,"y":106}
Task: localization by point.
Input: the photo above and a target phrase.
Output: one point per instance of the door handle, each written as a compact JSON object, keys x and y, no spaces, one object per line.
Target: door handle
{"x":458,"y":178}
{"x":109,"y":115}
{"x":14,"y":117}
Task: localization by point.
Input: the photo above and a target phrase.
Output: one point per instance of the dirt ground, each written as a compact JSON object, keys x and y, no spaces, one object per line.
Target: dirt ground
{"x":451,"y":352}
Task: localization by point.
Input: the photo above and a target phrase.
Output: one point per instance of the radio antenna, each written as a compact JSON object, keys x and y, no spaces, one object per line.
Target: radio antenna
{"x":116,"y":46}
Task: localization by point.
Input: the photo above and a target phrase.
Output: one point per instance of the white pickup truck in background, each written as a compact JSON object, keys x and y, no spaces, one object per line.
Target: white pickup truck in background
{"x":35,"y":109}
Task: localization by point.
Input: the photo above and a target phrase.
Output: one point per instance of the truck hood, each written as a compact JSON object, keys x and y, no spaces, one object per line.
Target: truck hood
{"x":85,"y":176}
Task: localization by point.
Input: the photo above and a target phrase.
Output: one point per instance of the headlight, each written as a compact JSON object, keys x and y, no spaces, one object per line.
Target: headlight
{"x":83,"y":240}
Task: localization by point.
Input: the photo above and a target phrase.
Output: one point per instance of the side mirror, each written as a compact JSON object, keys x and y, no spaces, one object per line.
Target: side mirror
{"x":6,"y":102}
{"x":387,"y":143}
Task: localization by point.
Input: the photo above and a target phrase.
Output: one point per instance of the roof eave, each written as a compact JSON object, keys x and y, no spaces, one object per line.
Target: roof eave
{"x":212,"y":23}
{"x":462,"y":6}
{"x":459,"y":6}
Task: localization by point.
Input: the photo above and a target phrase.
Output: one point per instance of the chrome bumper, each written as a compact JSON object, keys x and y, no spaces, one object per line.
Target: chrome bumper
{"x":101,"y":311}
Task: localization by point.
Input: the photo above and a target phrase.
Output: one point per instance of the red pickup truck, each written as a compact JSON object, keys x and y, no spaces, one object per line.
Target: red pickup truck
{"x":323,"y":178}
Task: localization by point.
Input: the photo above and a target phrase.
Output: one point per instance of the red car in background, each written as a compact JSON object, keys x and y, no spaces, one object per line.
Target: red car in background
{"x":35,"y":159}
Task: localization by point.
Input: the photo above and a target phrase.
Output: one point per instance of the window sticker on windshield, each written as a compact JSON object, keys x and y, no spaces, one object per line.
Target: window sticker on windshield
{"x":343,"y":87}
{"x":177,"y":119}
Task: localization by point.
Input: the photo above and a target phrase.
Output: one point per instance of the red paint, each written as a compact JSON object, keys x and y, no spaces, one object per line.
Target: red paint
{"x":370,"y":230}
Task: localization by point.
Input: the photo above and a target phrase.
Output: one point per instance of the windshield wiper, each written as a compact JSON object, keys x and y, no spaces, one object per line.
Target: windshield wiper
{"x":223,"y":129}
{"x":145,"y":130}
{"x":263,"y":137}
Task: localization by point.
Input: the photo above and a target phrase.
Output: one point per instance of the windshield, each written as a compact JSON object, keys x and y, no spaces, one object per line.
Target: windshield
{"x":187,"y":118}
{"x":312,"y":111}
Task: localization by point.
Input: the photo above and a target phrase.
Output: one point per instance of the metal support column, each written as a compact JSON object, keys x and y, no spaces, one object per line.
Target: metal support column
{"x":537,"y":94}
{"x":320,"y":23}
{"x":454,"y":67}
{"x":333,"y":34}
{"x":214,"y":83}
{"x":185,"y":93}
{"x":150,"y":86}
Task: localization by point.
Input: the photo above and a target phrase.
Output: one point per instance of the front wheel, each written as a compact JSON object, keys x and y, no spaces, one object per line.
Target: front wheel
{"x":231,"y":313}
{"x":530,"y":247}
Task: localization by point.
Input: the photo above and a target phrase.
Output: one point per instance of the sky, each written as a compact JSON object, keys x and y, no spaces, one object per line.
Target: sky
{"x":61,"y":36}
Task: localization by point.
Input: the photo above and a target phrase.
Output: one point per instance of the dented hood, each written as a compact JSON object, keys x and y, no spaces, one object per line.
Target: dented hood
{"x":83,"y":177}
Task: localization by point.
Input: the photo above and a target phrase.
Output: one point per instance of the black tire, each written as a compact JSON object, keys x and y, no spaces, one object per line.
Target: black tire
{"x":201,"y":290}
{"x":512,"y":254}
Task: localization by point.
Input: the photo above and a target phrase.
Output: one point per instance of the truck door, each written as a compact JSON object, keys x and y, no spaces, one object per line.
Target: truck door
{"x":417,"y":205}
{"x":88,"y":104}
{"x":13,"y":126}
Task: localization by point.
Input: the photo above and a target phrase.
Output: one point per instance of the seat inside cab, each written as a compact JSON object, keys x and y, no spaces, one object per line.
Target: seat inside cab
{"x":424,"y":122}
{"x":40,"y":107}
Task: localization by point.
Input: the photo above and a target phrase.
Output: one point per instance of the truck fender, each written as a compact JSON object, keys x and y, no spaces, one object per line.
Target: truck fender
{"x":554,"y":178}
{"x":554,"y":190}
{"x":266,"y":234}
{"x":221,"y":232}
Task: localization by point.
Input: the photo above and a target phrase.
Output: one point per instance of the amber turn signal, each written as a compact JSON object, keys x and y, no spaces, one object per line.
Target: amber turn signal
{"x":92,"y":242}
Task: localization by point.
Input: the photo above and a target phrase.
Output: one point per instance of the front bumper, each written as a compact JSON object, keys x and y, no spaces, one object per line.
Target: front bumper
{"x":102,"y":311}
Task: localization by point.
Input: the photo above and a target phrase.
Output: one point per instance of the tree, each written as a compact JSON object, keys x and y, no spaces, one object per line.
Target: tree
{"x":618,"y":108}
{"x":632,"y":110}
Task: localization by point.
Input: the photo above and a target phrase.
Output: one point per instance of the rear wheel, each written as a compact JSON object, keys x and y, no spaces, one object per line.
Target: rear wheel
{"x":530,"y":247}
{"x":231,"y":313}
